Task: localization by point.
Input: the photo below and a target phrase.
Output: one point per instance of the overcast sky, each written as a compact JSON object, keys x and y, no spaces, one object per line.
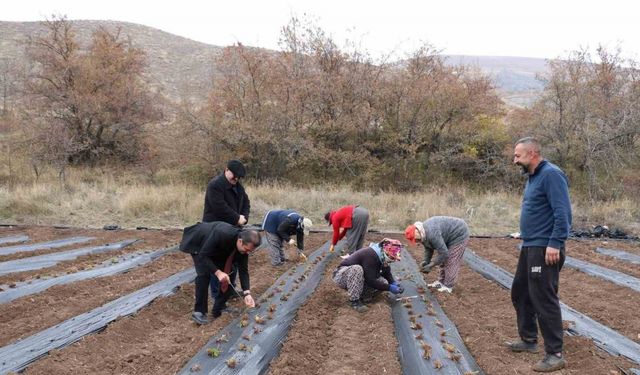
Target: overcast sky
{"x":540,"y":28}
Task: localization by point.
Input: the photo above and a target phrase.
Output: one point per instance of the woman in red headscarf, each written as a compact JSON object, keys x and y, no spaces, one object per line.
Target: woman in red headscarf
{"x":367,"y":271}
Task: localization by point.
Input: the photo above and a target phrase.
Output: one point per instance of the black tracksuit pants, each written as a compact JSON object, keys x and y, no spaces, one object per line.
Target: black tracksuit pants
{"x":203,"y":278}
{"x":534,"y":294}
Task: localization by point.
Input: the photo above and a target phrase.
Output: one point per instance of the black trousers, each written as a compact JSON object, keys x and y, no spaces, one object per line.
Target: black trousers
{"x":203,"y":278}
{"x":534,"y":294}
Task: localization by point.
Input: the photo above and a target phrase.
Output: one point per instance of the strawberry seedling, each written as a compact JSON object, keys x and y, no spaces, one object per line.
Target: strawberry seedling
{"x":213,"y":352}
{"x":231,"y":363}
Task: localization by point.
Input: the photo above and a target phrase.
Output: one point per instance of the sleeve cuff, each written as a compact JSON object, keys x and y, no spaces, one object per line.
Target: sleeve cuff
{"x":556,"y":244}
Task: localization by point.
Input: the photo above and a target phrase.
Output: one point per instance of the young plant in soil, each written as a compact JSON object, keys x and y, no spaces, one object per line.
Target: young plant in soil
{"x":244,"y":348}
{"x":222,"y":339}
{"x":426,"y":354}
{"x":231,"y":362}
{"x":259,"y":319}
{"x":213,"y":352}
{"x":437,"y":364}
{"x":450,"y":348}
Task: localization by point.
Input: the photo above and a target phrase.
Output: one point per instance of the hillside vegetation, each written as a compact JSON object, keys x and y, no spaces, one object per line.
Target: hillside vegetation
{"x":81,"y":97}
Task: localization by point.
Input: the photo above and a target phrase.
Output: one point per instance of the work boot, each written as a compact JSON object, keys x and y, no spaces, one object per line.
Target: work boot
{"x":523,"y":346}
{"x":358,"y":306}
{"x":199,"y":318}
{"x":550,"y":363}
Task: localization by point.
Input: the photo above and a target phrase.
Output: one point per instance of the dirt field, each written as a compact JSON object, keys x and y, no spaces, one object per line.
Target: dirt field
{"x":326,"y":337}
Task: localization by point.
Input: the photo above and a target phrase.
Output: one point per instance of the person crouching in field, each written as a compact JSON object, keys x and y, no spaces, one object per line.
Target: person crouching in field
{"x":448,"y":236}
{"x":279,"y":226}
{"x":351,"y":220}
{"x":367,"y":271}
{"x":214,"y":247}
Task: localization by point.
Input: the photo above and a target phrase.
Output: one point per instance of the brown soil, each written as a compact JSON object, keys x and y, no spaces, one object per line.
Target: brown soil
{"x":586,"y":250}
{"x":161,"y":338}
{"x":149,"y":240}
{"x":485,"y":318}
{"x":327,"y":336}
{"x":612,"y":305}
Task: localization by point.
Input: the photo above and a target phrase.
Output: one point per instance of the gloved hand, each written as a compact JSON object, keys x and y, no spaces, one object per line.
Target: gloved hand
{"x":292,"y":242}
{"x":395,"y":289}
{"x":428,"y":255}
{"x":396,"y":284}
{"x":331,"y":249}
{"x":426,"y":268}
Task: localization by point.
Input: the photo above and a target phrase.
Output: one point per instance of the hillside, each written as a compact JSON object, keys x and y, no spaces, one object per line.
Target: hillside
{"x":515,"y":77}
{"x":182,"y":68}
{"x":178,"y":66}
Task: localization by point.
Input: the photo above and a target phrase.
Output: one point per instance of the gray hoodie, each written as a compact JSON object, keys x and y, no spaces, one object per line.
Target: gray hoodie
{"x":443,"y":232}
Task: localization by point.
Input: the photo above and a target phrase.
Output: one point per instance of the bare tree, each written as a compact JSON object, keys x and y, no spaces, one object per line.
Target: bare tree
{"x":94,"y":101}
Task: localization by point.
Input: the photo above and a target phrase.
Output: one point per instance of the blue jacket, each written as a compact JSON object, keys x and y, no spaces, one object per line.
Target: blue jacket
{"x":545,"y":218}
{"x":284,"y":224}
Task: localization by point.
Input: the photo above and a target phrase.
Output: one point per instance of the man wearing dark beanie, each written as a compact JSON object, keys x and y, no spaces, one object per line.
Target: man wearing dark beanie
{"x":227,"y":201}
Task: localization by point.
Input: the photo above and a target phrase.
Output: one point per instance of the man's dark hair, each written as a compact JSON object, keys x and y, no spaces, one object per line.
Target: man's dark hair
{"x":327,"y":215}
{"x":250,"y":236}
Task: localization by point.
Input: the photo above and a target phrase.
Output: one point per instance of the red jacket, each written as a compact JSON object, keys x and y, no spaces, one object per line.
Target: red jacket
{"x":341,"y":218}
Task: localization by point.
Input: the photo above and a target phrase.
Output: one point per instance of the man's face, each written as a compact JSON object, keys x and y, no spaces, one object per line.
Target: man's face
{"x":522,"y":156}
{"x":232,"y":178}
{"x":245,"y":248}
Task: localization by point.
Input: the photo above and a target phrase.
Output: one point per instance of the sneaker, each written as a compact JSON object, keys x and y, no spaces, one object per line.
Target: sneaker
{"x":446,"y":289}
{"x":199,"y":318}
{"x":435,"y":284}
{"x":523,"y":346}
{"x":358,"y":306}
{"x":550,"y":363}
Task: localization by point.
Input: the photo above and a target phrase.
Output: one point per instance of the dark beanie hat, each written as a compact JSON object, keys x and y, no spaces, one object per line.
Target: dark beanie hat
{"x":236,"y":167}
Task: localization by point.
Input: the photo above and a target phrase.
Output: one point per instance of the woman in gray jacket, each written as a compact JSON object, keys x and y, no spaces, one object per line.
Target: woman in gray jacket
{"x":448,"y":236}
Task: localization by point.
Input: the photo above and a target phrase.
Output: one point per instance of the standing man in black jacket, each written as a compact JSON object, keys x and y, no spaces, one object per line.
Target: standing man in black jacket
{"x":214,"y":247}
{"x":226,"y":200}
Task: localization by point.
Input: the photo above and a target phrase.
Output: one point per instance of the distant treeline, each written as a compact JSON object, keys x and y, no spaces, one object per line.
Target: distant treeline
{"x":314,"y":112}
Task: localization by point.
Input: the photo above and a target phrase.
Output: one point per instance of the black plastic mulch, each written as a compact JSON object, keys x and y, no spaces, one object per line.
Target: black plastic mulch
{"x":43,"y":245}
{"x":50,"y":260}
{"x":109,"y":268}
{"x":604,"y":337}
{"x":18,"y":355}
{"x":429,"y":341}
{"x":249,"y":343}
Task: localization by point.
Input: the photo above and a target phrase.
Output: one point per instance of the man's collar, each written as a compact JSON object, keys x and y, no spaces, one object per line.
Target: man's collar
{"x":539,"y":166}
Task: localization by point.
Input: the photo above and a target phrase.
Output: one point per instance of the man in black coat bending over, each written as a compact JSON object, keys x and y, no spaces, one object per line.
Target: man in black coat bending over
{"x":226,"y":200}
{"x":214,"y":247}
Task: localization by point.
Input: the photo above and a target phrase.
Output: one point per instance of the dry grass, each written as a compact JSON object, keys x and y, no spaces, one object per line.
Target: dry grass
{"x":93,"y":198}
